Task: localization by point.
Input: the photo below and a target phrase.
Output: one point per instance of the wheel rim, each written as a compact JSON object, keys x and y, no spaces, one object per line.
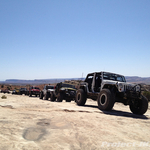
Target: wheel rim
{"x":103,"y":99}
{"x":136,"y":104}
{"x":78,"y":97}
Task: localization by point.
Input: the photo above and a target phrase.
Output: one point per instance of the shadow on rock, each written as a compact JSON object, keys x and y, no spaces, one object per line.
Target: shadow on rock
{"x":124,"y":114}
{"x":118,"y":113}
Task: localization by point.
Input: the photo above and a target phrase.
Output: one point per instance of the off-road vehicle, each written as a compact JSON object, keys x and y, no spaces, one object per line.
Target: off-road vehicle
{"x":5,"y":91}
{"x":63,"y":91}
{"x":46,"y":92}
{"x":108,"y":88}
{"x":34,"y":91}
{"x":23,"y":91}
{"x":15,"y":91}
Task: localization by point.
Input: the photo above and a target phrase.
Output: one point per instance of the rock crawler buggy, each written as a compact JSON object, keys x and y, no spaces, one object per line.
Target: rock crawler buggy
{"x":108,"y":88}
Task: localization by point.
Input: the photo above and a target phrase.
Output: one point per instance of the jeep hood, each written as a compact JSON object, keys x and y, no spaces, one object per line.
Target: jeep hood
{"x":50,"y":90}
{"x":117,"y":82}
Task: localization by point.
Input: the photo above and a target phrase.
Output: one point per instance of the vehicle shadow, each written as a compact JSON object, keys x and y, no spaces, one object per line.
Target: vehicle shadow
{"x":119,"y":113}
{"x":45,"y":100}
{"x":33,"y":96}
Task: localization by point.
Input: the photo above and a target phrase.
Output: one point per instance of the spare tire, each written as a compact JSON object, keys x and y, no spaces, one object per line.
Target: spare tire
{"x":105,"y":100}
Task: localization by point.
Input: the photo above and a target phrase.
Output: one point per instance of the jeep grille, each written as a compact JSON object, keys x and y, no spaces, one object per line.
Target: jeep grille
{"x":127,"y":87}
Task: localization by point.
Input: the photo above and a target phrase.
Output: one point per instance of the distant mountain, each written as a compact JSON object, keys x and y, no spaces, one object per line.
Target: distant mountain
{"x":133,"y":79}
{"x":137,"y":79}
{"x":36,"y":81}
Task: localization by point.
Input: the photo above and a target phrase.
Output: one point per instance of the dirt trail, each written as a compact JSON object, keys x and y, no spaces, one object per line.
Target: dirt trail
{"x":29,"y":123}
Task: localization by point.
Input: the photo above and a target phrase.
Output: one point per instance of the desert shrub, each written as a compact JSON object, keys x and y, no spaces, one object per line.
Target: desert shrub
{"x":4,"y":97}
{"x":8,"y":87}
{"x":147,"y":95}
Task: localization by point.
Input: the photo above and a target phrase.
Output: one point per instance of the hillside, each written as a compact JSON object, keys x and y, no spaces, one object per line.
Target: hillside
{"x":137,"y":79}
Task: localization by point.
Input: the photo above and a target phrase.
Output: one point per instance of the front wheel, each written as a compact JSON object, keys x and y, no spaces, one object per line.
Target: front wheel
{"x":106,"y":100}
{"x":30,"y":95}
{"x":80,"y":97}
{"x":139,"y":106}
{"x":46,"y":96}
{"x":41,"y":95}
{"x":53,"y":98}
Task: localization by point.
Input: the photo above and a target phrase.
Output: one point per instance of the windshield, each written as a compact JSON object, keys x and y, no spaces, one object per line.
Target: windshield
{"x":115,"y":77}
{"x":35,"y":88}
{"x":49,"y":87}
{"x":68,"y":85}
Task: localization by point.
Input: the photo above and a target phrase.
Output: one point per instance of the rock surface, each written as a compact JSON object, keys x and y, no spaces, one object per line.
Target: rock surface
{"x":28,"y":123}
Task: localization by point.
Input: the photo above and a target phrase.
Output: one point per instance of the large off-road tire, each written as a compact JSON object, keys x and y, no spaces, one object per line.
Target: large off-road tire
{"x":46,"y":96}
{"x":60,"y":97}
{"x":80,"y":97}
{"x":30,"y":94}
{"x":105,"y":100}
{"x":53,"y":98}
{"x":139,"y":106}
{"x":41,"y":95}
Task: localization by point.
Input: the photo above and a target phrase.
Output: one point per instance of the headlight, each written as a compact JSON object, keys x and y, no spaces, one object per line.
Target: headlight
{"x":138,"y":88}
{"x":120,"y":87}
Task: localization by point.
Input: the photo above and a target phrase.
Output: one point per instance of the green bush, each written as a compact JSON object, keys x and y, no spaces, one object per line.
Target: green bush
{"x":147,"y":95}
{"x":4,"y":97}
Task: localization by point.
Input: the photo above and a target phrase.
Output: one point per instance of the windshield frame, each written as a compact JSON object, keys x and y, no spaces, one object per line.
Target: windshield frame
{"x":113,"y":77}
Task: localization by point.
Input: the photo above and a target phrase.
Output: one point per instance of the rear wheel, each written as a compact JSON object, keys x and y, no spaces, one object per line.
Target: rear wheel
{"x":80,"y":97}
{"x":139,"y":106}
{"x":106,"y":100}
{"x":60,"y":97}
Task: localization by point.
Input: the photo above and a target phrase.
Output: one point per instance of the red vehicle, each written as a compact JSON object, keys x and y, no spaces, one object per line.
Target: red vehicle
{"x":34,"y":91}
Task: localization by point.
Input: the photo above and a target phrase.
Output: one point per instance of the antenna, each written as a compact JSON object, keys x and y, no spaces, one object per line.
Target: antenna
{"x":82,"y":76}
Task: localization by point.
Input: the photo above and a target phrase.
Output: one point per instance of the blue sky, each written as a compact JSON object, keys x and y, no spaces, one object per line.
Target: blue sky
{"x":43,"y":39}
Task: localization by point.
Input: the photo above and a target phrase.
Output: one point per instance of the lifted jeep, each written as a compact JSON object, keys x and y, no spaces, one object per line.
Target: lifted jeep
{"x":108,"y":88}
{"x":34,"y":91}
{"x":46,"y":92}
{"x":63,"y":91}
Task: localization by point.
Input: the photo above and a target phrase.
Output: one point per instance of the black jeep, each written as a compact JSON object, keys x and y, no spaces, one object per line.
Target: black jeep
{"x":63,"y":91}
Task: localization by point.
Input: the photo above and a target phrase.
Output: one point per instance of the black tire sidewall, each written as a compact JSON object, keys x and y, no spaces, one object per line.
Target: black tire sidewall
{"x":80,"y":97}
{"x":105,"y":100}
{"x":60,"y":97}
{"x":143,"y":106}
